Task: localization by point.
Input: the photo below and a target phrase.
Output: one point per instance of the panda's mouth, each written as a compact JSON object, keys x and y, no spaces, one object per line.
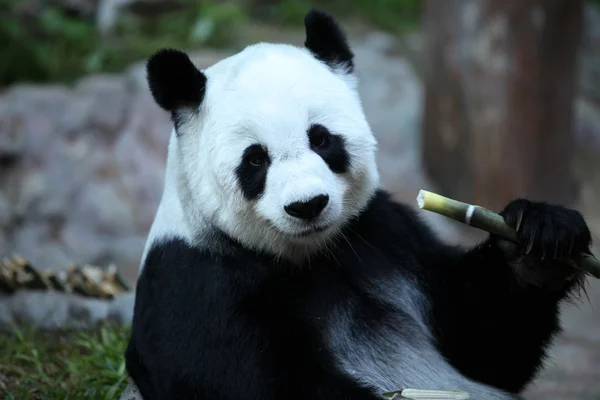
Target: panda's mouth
{"x":312,"y":231}
{"x":299,"y":232}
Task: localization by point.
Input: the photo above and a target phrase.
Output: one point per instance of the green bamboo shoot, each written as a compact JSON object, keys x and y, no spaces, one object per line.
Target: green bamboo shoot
{"x":479,"y":217}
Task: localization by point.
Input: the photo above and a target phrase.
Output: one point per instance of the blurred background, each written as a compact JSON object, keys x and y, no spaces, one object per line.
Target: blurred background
{"x":479,"y":100}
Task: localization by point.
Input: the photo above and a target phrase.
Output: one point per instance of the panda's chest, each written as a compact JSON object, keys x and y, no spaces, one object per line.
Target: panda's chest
{"x":371,"y":319}
{"x":380,"y":338}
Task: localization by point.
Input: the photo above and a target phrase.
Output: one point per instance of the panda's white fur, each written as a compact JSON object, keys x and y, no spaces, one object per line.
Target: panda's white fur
{"x":277,"y":91}
{"x":398,"y":308}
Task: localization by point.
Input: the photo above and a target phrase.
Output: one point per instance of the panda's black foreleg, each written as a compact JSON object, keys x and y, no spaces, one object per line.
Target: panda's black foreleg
{"x":217,"y":328}
{"x":501,"y":300}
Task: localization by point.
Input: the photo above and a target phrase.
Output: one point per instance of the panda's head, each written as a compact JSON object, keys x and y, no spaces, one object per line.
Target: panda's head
{"x":271,"y":145}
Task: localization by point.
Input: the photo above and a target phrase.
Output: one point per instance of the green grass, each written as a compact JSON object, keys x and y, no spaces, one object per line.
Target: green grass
{"x":69,"y":364}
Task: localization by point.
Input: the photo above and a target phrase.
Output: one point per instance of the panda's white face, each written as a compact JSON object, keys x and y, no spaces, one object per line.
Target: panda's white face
{"x":278,"y":154}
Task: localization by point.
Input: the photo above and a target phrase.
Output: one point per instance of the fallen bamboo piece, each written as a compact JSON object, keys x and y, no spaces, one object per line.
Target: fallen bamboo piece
{"x":424,"y":394}
{"x":16,"y":273}
{"x":481,"y":218}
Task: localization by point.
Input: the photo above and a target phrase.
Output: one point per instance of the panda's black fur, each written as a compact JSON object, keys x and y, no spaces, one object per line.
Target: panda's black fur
{"x":221,"y":322}
{"x":241,"y":325}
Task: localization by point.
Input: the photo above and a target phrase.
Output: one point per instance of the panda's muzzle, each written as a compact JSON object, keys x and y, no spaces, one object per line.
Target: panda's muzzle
{"x":307,"y":210}
{"x":312,"y":231}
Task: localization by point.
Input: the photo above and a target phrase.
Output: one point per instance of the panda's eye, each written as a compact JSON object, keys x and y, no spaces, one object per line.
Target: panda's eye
{"x":318,"y":136}
{"x":256,"y":156}
{"x":257,"y":161}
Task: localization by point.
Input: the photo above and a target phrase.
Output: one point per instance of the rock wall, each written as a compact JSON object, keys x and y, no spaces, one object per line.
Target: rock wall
{"x":81,"y":169}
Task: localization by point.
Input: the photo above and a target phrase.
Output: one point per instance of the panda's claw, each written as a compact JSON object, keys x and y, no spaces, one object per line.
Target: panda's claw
{"x":548,"y":235}
{"x":519,"y":220}
{"x":529,"y":246}
{"x":571,"y":245}
{"x":556,"y":250}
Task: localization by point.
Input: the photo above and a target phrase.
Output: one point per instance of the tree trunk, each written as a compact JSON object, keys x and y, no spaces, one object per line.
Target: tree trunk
{"x":500,"y":80}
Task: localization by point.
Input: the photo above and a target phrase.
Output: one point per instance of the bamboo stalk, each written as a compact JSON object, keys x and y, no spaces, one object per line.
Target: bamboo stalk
{"x":481,"y":218}
{"x":425,"y":394}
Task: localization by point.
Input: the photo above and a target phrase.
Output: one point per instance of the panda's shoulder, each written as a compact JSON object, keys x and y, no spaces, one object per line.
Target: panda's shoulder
{"x":175,"y":253}
{"x":388,"y":218}
{"x":175,"y":265}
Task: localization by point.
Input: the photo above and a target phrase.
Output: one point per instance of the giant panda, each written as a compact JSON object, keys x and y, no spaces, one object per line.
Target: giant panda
{"x":277,"y":267}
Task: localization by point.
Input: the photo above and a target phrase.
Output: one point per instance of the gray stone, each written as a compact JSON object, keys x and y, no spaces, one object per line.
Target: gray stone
{"x":4,"y":211}
{"x":89,"y":170}
{"x":52,"y":310}
{"x":131,"y":392}
{"x":120,"y":309}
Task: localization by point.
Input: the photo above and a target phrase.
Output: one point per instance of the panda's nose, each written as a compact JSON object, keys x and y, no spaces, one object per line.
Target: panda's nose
{"x":308,"y":209}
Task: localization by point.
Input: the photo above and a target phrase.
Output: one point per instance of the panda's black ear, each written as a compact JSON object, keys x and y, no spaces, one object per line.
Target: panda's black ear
{"x":326,"y":40}
{"x":174,"y":80}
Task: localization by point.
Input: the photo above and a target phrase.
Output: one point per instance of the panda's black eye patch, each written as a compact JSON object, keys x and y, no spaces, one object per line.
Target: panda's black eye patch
{"x":330,"y":147}
{"x":319,"y":137}
{"x":256,"y":156}
{"x":252,"y":171}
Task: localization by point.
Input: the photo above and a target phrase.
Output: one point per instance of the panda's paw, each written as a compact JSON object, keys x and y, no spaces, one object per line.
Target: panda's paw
{"x":548,"y":234}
